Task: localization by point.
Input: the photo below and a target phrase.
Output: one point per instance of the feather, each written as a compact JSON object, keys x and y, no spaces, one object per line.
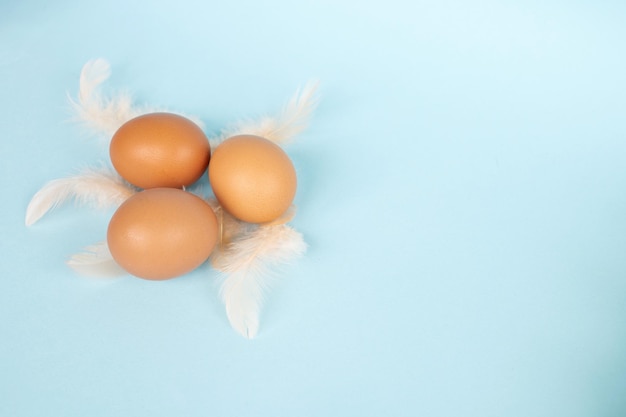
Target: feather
{"x":100,"y":188}
{"x":247,"y":266}
{"x":95,"y":261}
{"x":291,"y":121}
{"x":101,"y":114}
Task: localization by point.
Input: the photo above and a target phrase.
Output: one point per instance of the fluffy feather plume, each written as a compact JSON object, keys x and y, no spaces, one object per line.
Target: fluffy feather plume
{"x":97,"y":112}
{"x":96,"y":261}
{"x":102,"y":114}
{"x":99,"y":188}
{"x":247,"y":266}
{"x":292,"y":120}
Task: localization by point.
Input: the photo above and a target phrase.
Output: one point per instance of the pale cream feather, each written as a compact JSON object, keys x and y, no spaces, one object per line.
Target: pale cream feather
{"x":248,"y":265}
{"x":99,"y":188}
{"x":97,"y":112}
{"x":96,"y":261}
{"x":284,"y":126}
{"x":104,"y":114}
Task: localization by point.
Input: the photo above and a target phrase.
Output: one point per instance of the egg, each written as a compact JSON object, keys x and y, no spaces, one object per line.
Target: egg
{"x":162,"y":233}
{"x":252,"y":178}
{"x":160,"y":150}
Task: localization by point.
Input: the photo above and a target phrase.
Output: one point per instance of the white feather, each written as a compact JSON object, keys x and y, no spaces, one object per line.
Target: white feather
{"x":102,"y":114}
{"x":247,"y":266}
{"x":99,"y":188}
{"x":97,"y":112}
{"x":96,"y":261}
{"x":281,"y":128}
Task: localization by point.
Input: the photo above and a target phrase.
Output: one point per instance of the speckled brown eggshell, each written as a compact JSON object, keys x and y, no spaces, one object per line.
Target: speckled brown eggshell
{"x":162,"y":233}
{"x":252,"y":178}
{"x":160,"y":150}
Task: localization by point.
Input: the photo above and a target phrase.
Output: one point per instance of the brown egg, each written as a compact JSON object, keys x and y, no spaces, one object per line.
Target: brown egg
{"x":162,"y":233}
{"x":160,"y":150}
{"x":252,"y":178}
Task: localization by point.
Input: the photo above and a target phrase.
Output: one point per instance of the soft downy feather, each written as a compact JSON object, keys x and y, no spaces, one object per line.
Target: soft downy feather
{"x":96,"y":261}
{"x":96,"y":187}
{"x":248,"y":264}
{"x":102,"y":114}
{"x":281,"y":128}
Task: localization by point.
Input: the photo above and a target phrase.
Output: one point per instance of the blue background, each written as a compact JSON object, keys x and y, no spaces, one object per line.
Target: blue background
{"x":462,"y":190}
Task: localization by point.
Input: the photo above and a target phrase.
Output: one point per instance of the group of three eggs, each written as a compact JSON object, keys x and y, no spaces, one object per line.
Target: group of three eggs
{"x":164,"y":231}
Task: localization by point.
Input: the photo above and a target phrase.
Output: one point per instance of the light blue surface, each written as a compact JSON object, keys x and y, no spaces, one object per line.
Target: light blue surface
{"x":462,"y":190}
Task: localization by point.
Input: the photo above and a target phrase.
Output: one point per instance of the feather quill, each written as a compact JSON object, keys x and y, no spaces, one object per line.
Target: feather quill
{"x":96,"y":261}
{"x":281,"y":128}
{"x":99,"y":188}
{"x":247,"y":266}
{"x":101,"y":114}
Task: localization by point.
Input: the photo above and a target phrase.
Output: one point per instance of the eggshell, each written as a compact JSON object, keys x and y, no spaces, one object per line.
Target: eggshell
{"x":160,"y":150}
{"x":162,"y":233}
{"x":252,"y":178}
